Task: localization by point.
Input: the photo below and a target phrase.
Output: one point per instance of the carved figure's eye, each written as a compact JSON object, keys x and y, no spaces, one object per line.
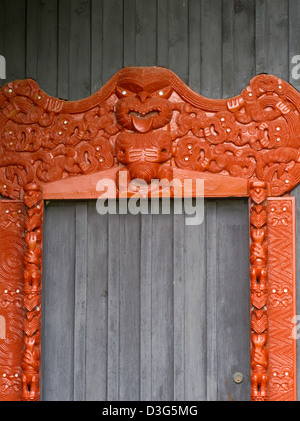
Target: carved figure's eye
{"x":164,"y":150}
{"x":163,"y":92}
{"x":122,"y":92}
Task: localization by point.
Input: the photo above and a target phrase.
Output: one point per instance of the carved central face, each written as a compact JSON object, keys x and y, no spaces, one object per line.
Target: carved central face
{"x":143,"y":100}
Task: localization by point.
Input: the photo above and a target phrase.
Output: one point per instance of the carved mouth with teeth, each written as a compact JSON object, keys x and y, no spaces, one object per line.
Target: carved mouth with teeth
{"x":143,"y":122}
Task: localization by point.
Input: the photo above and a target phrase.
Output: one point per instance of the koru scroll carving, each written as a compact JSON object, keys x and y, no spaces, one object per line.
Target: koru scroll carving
{"x":146,"y":123}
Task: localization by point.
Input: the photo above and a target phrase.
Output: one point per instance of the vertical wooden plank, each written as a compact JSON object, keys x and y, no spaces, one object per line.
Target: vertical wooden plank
{"x":63,"y":49}
{"x":195,"y":47}
{"x":146,"y":309}
{"x":294,"y":43}
{"x":2,"y":34}
{"x":179,"y":306}
{"x":112,"y":38}
{"x":80,"y":301}
{"x":244,"y":43}
{"x":97,"y":296}
{"x":228,"y":89}
{"x":211,"y":48}
{"x":272,"y":37}
{"x":162,"y":33}
{"x":47,"y":46}
{"x":129,"y":36}
{"x":113,"y":340}
{"x":58,"y":302}
{"x":129,"y":357}
{"x":80,"y":56}
{"x":145,"y":38}
{"x":195,"y":312}
{"x":162,"y":309}
{"x":233,"y":299}
{"x":178,"y":38}
{"x":96,"y":44}
{"x":278,"y":48}
{"x":211,"y":297}
{"x":262,"y":34}
{"x":15,"y":39}
{"x":31,"y":38}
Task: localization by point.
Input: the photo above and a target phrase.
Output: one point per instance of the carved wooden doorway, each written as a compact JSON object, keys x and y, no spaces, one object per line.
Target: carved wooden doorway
{"x":146,"y":124}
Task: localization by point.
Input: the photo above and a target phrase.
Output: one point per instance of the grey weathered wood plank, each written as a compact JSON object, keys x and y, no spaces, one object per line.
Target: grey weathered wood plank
{"x":97,"y":305}
{"x":194,"y":45}
{"x":162,"y":40}
{"x":129,"y":313}
{"x":15,"y":39}
{"x":129,"y":30}
{"x":96,"y":44}
{"x":145,"y":36}
{"x":31,"y":38}
{"x":58,"y":302}
{"x":195,"y":312}
{"x":80,"y":301}
{"x":178,"y":38}
{"x":179,"y":306}
{"x":112,"y":38}
{"x":272,"y":40}
{"x":211,"y":48}
{"x":63,"y":52}
{"x":228,"y":35}
{"x":162,"y":309}
{"x":146,"y":309}
{"x":211,"y":298}
{"x":244,"y":45}
{"x":113,"y":339}
{"x":47,"y":46}
{"x":80,"y":54}
{"x":2,"y":36}
{"x":294,"y":40}
{"x":233,"y":298}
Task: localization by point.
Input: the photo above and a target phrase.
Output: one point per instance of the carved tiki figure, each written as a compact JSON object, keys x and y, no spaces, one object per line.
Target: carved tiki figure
{"x":143,"y":111}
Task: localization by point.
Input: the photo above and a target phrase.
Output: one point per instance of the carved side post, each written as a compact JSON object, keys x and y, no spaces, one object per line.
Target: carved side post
{"x":12,"y":244}
{"x":258,"y":291}
{"x":281,"y":299}
{"x":32,"y":292}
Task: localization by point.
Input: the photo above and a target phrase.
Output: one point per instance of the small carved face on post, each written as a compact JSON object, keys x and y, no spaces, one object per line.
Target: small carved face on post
{"x":143,"y":99}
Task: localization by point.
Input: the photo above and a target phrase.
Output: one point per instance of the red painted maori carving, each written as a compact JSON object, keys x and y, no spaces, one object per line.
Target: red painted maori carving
{"x":32,"y":292}
{"x":147,"y":124}
{"x":149,"y":121}
{"x":258,"y":291}
{"x":281,"y":300}
{"x":12,"y":245}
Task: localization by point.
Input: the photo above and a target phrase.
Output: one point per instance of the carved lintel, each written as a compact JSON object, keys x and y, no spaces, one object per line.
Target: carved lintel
{"x":32,"y":292}
{"x":281,"y":299}
{"x":258,"y":291}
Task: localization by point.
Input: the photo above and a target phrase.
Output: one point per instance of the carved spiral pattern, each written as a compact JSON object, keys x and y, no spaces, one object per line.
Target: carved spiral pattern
{"x":11,"y":261}
{"x":12,"y":246}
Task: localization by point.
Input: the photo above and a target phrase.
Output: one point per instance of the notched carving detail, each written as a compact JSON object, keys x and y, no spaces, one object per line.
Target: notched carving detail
{"x":281,"y":301}
{"x":258,"y":291}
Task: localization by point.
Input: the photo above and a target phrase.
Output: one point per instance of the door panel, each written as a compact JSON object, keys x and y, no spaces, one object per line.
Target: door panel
{"x":145,"y":307}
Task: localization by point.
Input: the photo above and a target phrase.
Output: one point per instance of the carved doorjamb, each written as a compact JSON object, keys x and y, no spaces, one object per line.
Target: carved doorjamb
{"x":146,"y":124}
